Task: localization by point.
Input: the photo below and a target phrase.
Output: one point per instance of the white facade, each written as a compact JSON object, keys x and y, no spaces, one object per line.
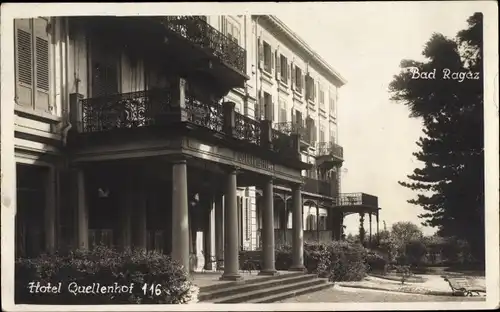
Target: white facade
{"x":277,"y":63}
{"x":274,"y":55}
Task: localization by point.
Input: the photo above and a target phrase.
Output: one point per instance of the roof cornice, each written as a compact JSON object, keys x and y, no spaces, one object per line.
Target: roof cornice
{"x":294,"y":38}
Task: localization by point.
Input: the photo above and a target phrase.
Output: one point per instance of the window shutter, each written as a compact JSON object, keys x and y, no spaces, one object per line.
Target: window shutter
{"x":292,"y":76}
{"x":315,"y":88}
{"x":260,"y":113}
{"x":303,"y":79}
{"x":307,"y":87}
{"x":278,"y":65}
{"x":315,"y":132}
{"x":288,"y":71}
{"x":42,"y":100}
{"x":24,"y":62}
{"x":248,"y":219}
{"x":293,"y":117}
{"x":272,"y":59}
{"x":261,"y":53}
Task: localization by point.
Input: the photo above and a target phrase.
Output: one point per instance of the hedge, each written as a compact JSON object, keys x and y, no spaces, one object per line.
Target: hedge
{"x":103,"y":276}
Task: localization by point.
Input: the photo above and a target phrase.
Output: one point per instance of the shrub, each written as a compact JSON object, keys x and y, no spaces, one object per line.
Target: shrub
{"x":337,"y":260}
{"x":415,"y":252}
{"x":375,"y":262}
{"x":105,"y":267}
{"x":283,"y":257}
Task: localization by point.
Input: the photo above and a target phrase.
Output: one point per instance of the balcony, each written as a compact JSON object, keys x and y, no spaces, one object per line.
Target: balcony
{"x":295,"y":128}
{"x":161,"y":108}
{"x":321,"y":187}
{"x":329,"y":154}
{"x":184,"y":44}
{"x":357,"y":199}
{"x":214,"y":43}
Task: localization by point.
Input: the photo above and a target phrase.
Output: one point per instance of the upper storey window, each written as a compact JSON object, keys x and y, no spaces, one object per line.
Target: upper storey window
{"x":32,"y":63}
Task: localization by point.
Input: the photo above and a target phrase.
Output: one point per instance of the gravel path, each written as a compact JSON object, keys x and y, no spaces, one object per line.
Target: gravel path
{"x":339,"y":294}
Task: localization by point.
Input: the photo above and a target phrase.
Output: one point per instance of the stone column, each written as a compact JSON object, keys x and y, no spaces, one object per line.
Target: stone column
{"x":82,"y":209}
{"x":180,"y":227}
{"x":207,"y":237}
{"x":231,"y":261}
{"x":362,"y":232}
{"x":337,"y":225}
{"x":50,"y":211}
{"x":317,"y":221}
{"x":370,"y":220}
{"x":268,"y":267}
{"x":378,"y":233}
{"x":219,"y":230}
{"x":341,"y":225}
{"x":298,"y":230}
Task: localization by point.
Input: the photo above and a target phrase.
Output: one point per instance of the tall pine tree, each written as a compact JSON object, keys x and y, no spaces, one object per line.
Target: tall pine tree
{"x":450,"y":185}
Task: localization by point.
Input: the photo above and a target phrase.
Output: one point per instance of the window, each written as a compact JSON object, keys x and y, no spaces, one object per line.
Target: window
{"x":321,"y":97}
{"x":310,"y":222}
{"x":32,"y":59}
{"x":105,"y":59}
{"x":298,"y":118}
{"x":282,"y":108}
{"x":322,"y":223}
{"x":233,"y":31}
{"x":311,"y":130}
{"x":332,"y":102}
{"x":298,"y":79}
{"x":267,"y":57}
{"x":321,"y":133}
{"x":284,"y":68}
{"x":268,"y":106}
{"x":333,"y":139}
{"x":248,"y":219}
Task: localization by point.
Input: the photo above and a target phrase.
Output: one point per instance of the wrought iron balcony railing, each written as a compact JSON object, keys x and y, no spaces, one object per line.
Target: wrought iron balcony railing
{"x":159,"y":107}
{"x":198,"y":31}
{"x":357,"y":199}
{"x":247,"y":129}
{"x":330,"y":148}
{"x":146,"y":108}
{"x":289,"y":127}
{"x":322,"y":187}
{"x":281,"y":141}
{"x":205,"y":114}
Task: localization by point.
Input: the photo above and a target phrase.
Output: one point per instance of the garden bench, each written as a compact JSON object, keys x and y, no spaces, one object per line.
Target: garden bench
{"x":461,"y":286}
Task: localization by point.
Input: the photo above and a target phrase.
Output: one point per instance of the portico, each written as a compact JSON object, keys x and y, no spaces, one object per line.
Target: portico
{"x":194,"y":187}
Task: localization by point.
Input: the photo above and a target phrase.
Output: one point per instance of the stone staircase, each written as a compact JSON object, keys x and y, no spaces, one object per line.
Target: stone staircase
{"x":264,"y":289}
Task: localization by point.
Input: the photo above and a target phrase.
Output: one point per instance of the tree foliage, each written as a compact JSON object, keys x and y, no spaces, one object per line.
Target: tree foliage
{"x":450,"y":186}
{"x":404,"y":232}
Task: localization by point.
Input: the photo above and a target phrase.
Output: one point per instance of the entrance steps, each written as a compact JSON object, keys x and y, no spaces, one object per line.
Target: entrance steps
{"x":265,"y":289}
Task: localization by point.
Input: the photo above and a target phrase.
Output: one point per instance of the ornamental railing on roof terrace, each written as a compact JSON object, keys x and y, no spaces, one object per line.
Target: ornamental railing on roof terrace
{"x":329,"y":148}
{"x":357,"y":199}
{"x":289,"y":127}
{"x":198,"y":31}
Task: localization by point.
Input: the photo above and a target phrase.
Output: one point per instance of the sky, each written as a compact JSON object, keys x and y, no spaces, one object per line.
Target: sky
{"x":365,"y":43}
